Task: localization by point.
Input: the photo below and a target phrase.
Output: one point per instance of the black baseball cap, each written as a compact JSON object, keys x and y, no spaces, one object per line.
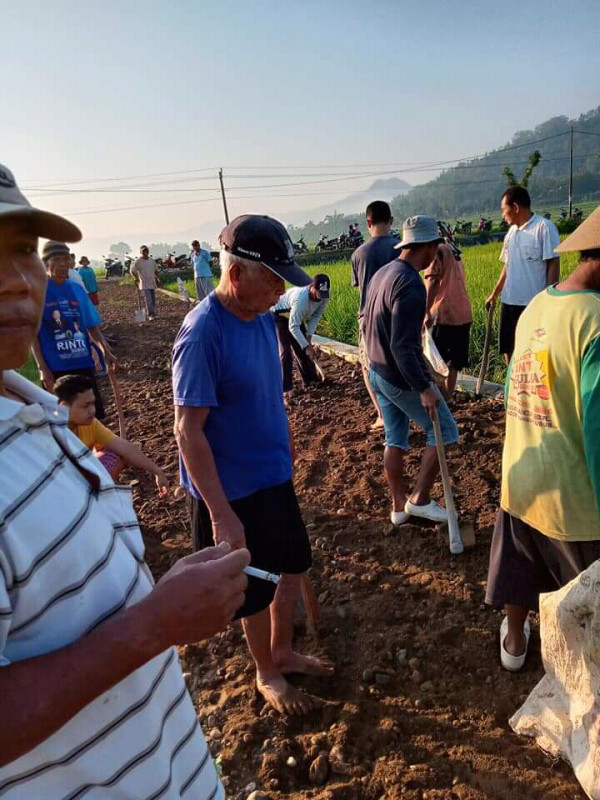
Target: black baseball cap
{"x":322,"y":284}
{"x":264,"y":239}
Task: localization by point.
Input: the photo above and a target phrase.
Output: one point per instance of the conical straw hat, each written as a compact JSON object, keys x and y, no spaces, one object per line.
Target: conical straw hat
{"x":585,"y":237}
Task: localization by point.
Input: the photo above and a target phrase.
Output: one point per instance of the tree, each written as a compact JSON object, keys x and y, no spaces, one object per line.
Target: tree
{"x":120,"y":249}
{"x":534,"y":160}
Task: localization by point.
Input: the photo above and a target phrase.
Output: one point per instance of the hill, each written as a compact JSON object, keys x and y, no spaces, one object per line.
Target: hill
{"x":475,"y":186}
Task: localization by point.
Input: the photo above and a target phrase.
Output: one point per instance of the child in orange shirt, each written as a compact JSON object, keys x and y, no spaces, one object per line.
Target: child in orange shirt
{"x":76,"y":392}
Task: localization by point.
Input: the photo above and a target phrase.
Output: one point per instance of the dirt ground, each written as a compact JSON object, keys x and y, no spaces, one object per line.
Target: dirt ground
{"x":418,"y":707}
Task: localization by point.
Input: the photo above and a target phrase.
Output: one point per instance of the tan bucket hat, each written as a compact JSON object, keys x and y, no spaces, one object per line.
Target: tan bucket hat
{"x":585,"y":237}
{"x":44,"y":223}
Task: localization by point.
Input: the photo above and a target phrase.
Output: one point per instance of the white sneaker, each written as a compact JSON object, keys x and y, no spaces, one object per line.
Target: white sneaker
{"x":431,"y":510}
{"x":399,"y":517}
{"x":508,"y":661}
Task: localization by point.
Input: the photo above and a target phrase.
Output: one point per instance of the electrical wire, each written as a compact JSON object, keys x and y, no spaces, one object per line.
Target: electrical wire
{"x":417,"y":166}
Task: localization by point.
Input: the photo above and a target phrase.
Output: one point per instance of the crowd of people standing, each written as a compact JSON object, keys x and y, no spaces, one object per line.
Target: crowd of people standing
{"x":89,"y":671}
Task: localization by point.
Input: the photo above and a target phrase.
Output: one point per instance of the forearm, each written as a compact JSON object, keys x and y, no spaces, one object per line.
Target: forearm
{"x":500,"y":282}
{"x":313,"y":322}
{"x":296,"y":331}
{"x":133,"y":455}
{"x":200,"y":465}
{"x":432,"y":291}
{"x":39,"y":695}
{"x":98,"y":337}
{"x":552,"y":271}
{"x":38,"y":355}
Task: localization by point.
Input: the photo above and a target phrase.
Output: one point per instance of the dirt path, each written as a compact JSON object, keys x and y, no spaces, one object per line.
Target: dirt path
{"x":419,"y":706}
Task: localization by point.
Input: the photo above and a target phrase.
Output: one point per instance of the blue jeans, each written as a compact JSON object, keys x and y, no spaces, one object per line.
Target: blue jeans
{"x":399,"y":406}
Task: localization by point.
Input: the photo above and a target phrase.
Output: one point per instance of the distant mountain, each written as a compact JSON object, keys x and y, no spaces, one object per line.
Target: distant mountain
{"x":475,"y":187}
{"x":381,"y":189}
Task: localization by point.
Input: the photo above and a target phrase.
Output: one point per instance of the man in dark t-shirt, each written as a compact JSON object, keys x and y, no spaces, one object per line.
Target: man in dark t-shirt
{"x":392,"y":325}
{"x":366,"y":260}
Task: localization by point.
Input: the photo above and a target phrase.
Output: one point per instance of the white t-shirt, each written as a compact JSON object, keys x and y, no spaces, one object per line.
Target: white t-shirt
{"x":525,"y":251}
{"x":72,"y":555}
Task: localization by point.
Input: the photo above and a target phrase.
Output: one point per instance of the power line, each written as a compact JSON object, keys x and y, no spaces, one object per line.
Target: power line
{"x":174,"y":189}
{"x":417,"y":166}
{"x":238,"y":197}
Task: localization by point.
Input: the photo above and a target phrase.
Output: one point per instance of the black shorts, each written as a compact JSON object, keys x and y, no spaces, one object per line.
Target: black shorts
{"x":524,"y":563}
{"x":453,"y":343}
{"x":509,"y":316}
{"x":275,"y":536}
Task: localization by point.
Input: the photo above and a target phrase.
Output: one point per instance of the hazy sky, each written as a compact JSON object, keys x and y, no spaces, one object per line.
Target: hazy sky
{"x":123,"y":88}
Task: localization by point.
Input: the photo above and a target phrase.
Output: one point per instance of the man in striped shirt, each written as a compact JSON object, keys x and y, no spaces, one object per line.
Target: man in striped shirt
{"x":93,"y":700}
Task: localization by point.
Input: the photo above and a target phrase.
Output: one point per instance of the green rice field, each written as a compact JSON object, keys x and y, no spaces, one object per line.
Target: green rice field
{"x":482,"y":268}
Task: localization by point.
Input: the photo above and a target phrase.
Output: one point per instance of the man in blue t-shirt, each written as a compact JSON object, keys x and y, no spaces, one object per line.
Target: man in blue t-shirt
{"x":202,"y":271}
{"x":234,"y":442}
{"x":69,"y":321}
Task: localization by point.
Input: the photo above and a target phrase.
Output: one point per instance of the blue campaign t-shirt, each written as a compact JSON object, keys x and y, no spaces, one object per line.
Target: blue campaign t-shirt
{"x":68,"y":313}
{"x":88,"y":276}
{"x":201,"y":264}
{"x":233,"y":368}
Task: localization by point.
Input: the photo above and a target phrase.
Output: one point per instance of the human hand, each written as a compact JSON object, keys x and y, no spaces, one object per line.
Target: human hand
{"x":429,"y":320}
{"x":430,"y":400}
{"x":228,"y":528}
{"x":111,"y":360}
{"x":310,"y":351}
{"x":47,"y":379}
{"x":490,"y":302}
{"x":162,"y":483}
{"x":198,"y":596}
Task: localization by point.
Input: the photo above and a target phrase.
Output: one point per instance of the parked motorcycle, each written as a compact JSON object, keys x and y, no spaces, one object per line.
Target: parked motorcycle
{"x":114,"y":267}
{"x":300,"y":247}
{"x":484,"y":225}
{"x":463,"y":227}
{"x":578,"y":214}
{"x":503,"y":225}
{"x":325,"y":243}
{"x":563,"y":213}
{"x":355,"y":240}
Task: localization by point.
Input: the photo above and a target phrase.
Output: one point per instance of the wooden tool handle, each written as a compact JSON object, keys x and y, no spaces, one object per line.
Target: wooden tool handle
{"x":115,"y":387}
{"x":456,"y":545}
{"x":486,"y":350}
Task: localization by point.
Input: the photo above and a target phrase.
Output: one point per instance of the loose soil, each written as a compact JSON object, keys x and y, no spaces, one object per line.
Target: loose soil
{"x":419,"y":704}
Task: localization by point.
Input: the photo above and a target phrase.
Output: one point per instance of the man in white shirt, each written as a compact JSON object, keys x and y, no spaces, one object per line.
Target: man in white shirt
{"x":145,"y":270}
{"x":530,"y":263}
{"x":297,"y":315}
{"x":93,"y":700}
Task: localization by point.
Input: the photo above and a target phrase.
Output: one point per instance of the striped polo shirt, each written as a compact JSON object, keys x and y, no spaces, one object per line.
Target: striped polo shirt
{"x":71,"y":555}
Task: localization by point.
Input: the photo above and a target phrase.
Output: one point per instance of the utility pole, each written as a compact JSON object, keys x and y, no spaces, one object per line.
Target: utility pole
{"x":571,"y":178}
{"x":223,"y":196}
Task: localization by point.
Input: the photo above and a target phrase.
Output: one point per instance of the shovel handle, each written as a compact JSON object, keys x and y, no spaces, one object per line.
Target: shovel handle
{"x":486,"y":350}
{"x":455,"y":540}
{"x":119,"y":405}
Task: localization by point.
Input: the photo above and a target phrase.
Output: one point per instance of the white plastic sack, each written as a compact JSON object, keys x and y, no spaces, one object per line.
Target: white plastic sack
{"x":432,"y":354}
{"x":182,"y":290}
{"x":562,"y":713}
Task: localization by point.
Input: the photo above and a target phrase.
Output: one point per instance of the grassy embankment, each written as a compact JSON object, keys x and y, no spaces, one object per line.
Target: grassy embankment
{"x":482,"y":268}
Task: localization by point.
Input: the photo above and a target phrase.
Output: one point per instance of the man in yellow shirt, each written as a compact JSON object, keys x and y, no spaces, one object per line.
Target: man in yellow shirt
{"x":548,"y":528}
{"x":76,"y":392}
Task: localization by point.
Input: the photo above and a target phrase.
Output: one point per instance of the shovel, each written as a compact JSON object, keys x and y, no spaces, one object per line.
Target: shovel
{"x":486,"y":351}
{"x":456,"y":542}
{"x":118,"y":404}
{"x":140,"y":313}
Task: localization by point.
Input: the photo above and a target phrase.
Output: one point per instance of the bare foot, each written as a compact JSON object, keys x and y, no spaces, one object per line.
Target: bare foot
{"x":306,"y":665}
{"x":284,"y":697}
{"x":377,"y":425}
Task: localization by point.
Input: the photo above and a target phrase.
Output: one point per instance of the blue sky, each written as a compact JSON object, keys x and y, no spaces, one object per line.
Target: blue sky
{"x":92,"y":91}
